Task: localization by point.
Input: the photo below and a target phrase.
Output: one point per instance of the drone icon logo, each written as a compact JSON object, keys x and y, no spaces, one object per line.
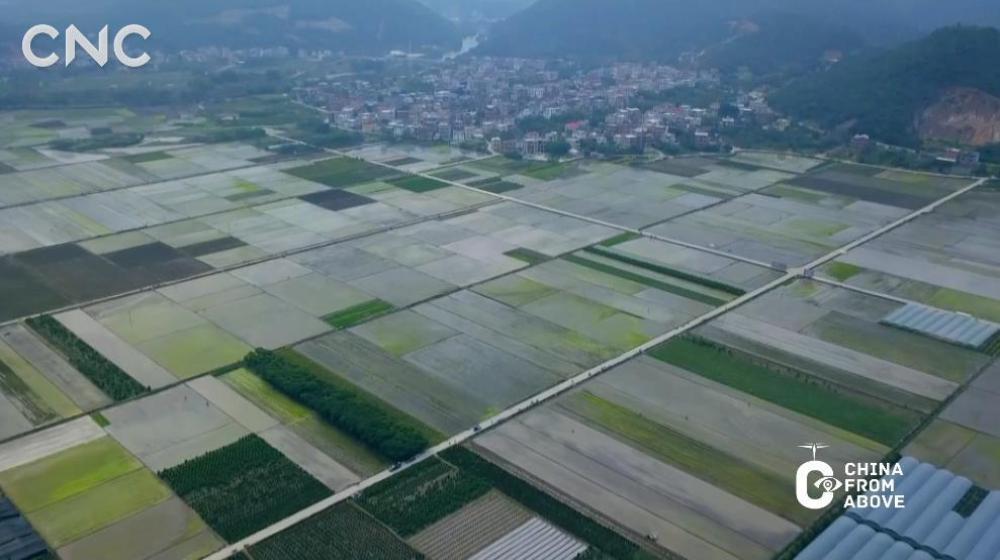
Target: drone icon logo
{"x":827,"y":482}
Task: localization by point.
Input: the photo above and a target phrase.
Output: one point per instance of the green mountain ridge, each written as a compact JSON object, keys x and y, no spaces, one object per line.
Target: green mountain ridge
{"x":663,"y":29}
{"x":783,"y":43}
{"x":882,"y":94}
{"x":371,"y":26}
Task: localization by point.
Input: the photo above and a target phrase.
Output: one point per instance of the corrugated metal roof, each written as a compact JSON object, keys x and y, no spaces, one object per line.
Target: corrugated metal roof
{"x":958,"y":328}
{"x":535,"y":540}
{"x":928,"y":528}
{"x":18,"y":540}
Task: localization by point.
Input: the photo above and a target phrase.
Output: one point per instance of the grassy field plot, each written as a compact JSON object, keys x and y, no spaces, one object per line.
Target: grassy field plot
{"x":938,"y":358}
{"x":626,"y":196}
{"x":838,"y":335}
{"x":243,"y":487}
{"x":793,"y":390}
{"x":66,"y":474}
{"x":168,"y":529}
{"x":753,"y":429}
{"x":341,"y":172}
{"x":54,"y":367}
{"x":636,"y":491}
{"x":37,"y":399}
{"x":340,"y":533}
{"x":541,"y":170}
{"x":719,"y":468}
{"x":182,"y":341}
{"x":807,"y":215}
{"x":305,"y":423}
{"x":83,"y":489}
{"x":357,"y":314}
{"x":352,"y":360}
{"x":80,"y":515}
{"x":457,"y":359}
{"x":170,"y":427}
{"x":944,"y":259}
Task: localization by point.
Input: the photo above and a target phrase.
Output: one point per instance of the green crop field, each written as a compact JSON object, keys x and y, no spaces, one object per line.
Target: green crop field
{"x":800,"y":392}
{"x":984,"y":307}
{"x":842,"y":272}
{"x":357,"y":314}
{"x":665,"y":270}
{"x":422,"y":495}
{"x":68,"y":520}
{"x":147,"y":157}
{"x":417,"y":184}
{"x":244,"y":487}
{"x":340,"y":533}
{"x":541,"y":170}
{"x":341,"y":172}
{"x":619,"y":239}
{"x":60,"y":476}
{"x":527,"y":255}
{"x":646,"y":281}
{"x":763,"y":488}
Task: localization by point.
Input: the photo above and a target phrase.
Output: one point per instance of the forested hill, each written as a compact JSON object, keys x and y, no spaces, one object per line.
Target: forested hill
{"x":631,"y":29}
{"x":885,"y":94}
{"x":662,"y":29}
{"x":355,"y":26}
{"x":783,"y":43}
{"x":463,"y":10}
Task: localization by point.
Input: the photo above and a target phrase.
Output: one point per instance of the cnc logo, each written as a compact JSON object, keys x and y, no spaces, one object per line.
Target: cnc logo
{"x":867,"y":485}
{"x":75,"y":38}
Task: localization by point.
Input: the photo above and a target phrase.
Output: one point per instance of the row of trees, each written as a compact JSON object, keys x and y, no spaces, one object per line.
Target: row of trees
{"x":99,"y":370}
{"x":345,"y":409}
{"x":98,"y":142}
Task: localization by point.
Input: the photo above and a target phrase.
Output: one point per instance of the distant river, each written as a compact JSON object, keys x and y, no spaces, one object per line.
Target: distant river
{"x":468,"y":44}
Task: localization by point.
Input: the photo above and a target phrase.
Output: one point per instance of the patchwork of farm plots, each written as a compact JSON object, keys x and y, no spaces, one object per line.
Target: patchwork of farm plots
{"x":415,"y":159}
{"x":37,"y":386}
{"x":457,"y":359}
{"x":948,"y":259}
{"x":695,"y":443}
{"x":425,"y":308}
{"x":22,"y":131}
{"x":965,"y":437}
{"x":634,"y":197}
{"x":106,"y":173}
{"x":89,"y":247}
{"x":89,"y":498}
{"x":161,"y":336}
{"x":803,"y":217}
{"x":454,"y":507}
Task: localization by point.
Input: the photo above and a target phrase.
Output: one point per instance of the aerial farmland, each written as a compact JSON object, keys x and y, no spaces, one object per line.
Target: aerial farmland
{"x":402,"y":351}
